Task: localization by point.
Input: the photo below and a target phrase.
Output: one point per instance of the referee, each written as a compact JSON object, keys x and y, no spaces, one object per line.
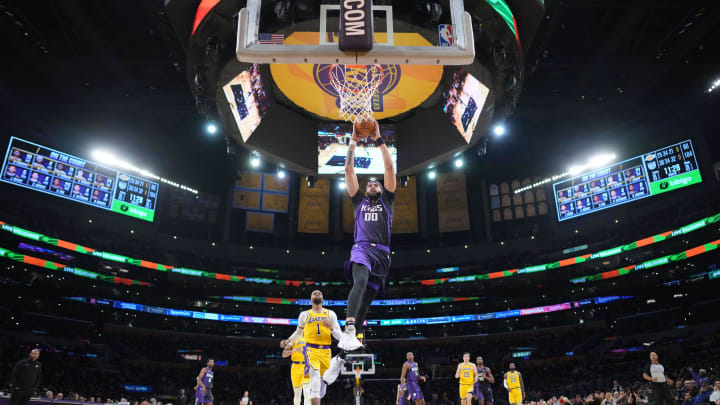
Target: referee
{"x":655,"y":374}
{"x":25,"y":378}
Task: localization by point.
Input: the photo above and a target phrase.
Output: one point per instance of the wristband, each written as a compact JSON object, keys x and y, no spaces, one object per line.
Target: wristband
{"x":379,"y":141}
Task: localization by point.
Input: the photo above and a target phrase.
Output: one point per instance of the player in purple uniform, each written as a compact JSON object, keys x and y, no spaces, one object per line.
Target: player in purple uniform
{"x":482,"y":390}
{"x":203,"y":395}
{"x":369,"y":262}
{"x":409,"y":378}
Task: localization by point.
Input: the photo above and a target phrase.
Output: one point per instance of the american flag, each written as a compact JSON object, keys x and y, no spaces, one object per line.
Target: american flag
{"x":275,"y":39}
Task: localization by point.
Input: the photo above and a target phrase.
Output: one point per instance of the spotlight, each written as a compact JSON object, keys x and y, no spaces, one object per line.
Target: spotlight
{"x":341,"y":185}
{"x":432,"y":174}
{"x":499,"y":130}
{"x":211,"y":128}
{"x":311,"y":180}
{"x":255,"y":161}
{"x":459,"y":163}
{"x":281,"y":173}
{"x":404,"y":181}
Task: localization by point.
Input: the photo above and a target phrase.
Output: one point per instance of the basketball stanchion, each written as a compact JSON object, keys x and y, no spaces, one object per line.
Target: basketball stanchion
{"x":358,"y":365}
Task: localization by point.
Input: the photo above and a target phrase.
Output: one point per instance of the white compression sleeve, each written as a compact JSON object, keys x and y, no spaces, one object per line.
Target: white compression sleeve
{"x":302,"y":319}
{"x":306,"y":393}
{"x":315,"y":383}
{"x":336,"y":331}
{"x":297,"y":398}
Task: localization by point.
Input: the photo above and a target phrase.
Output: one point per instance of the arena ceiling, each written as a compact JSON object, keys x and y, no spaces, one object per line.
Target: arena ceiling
{"x":80,"y":73}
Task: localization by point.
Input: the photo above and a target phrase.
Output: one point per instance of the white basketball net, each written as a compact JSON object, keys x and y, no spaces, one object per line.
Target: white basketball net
{"x":356,"y":85}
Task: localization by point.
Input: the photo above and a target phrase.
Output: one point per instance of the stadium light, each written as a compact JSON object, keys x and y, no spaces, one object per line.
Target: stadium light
{"x":211,"y":128}
{"x":714,"y":86}
{"x":432,"y":174}
{"x":459,"y":163}
{"x":341,"y":185}
{"x":107,"y":158}
{"x":281,"y":173}
{"x":255,"y":161}
{"x":499,"y":129}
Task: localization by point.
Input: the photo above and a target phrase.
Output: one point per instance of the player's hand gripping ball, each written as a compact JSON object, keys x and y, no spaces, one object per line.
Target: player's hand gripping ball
{"x":365,"y":127}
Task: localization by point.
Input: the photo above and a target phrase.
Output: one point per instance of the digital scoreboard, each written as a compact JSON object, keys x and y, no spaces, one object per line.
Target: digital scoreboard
{"x":49,"y":171}
{"x":643,"y":176}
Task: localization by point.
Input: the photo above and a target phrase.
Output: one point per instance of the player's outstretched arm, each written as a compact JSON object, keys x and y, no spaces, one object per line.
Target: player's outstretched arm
{"x":522,"y":385}
{"x":389,"y":181}
{"x":505,"y":381}
{"x":351,"y":181}
{"x":302,"y":319}
{"x":402,"y":375}
{"x":489,"y":376}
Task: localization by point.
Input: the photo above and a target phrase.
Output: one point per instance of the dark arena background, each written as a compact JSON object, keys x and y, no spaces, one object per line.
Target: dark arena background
{"x":168,"y":198}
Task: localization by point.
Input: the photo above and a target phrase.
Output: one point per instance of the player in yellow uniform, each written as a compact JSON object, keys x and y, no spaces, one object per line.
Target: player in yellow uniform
{"x":514,"y":385}
{"x":317,"y":326}
{"x":300,"y":379}
{"x":467,"y":373}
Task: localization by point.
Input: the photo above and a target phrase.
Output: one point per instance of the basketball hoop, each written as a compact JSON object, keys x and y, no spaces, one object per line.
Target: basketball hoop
{"x":355,"y":86}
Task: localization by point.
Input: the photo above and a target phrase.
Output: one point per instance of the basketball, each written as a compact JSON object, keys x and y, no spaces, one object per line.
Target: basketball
{"x":365,"y":127}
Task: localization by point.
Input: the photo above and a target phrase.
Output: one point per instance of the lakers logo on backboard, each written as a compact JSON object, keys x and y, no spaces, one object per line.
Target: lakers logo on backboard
{"x":391,"y":78}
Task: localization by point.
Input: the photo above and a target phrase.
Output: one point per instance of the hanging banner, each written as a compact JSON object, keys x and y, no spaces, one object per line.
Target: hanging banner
{"x":251,"y":181}
{"x":274,"y":183}
{"x":453,"y":213}
{"x":314,"y":207}
{"x":259,"y":222}
{"x":272,"y":202}
{"x":405,"y":219}
{"x":246,"y":199}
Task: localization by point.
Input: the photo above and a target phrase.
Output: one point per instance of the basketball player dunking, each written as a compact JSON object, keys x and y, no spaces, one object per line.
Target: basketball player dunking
{"x":409,"y":379}
{"x":482,"y":389}
{"x":369,"y":262}
{"x":513,"y":382}
{"x":203,"y":395}
{"x":300,"y":380}
{"x":467,"y":373}
{"x":317,"y":326}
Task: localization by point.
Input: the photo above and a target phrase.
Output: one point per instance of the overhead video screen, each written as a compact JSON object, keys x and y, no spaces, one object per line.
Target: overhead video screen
{"x":333,"y":140}
{"x":49,"y":171}
{"x":464,"y":102}
{"x":643,"y":176}
{"x":248,"y":100}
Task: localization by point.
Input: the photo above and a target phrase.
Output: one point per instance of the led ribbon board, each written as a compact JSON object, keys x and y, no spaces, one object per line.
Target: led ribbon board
{"x":211,"y":316}
{"x":691,"y":227}
{"x":342,"y":303}
{"x":39,"y":168}
{"x":623,"y":271}
{"x":47,"y":264}
{"x":643,"y":176}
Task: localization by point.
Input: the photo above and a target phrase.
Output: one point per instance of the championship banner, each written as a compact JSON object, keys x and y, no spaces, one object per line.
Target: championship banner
{"x":273,"y":202}
{"x":246,"y":199}
{"x":259,"y":222}
{"x":405,"y":218}
{"x":249,"y":180}
{"x":348,"y":214}
{"x":314,"y":207}
{"x":403,"y":87}
{"x":453,"y":213}
{"x":274,"y":183}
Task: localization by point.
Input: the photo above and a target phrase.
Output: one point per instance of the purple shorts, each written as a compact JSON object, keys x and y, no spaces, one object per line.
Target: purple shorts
{"x":483,"y":392}
{"x":376,"y":260}
{"x":203,"y":399}
{"x":413,"y":390}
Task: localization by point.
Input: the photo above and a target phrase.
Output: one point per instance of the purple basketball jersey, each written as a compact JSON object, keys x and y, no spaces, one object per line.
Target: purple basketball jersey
{"x":373,"y":220}
{"x":413,"y":374}
{"x":206,"y":398}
